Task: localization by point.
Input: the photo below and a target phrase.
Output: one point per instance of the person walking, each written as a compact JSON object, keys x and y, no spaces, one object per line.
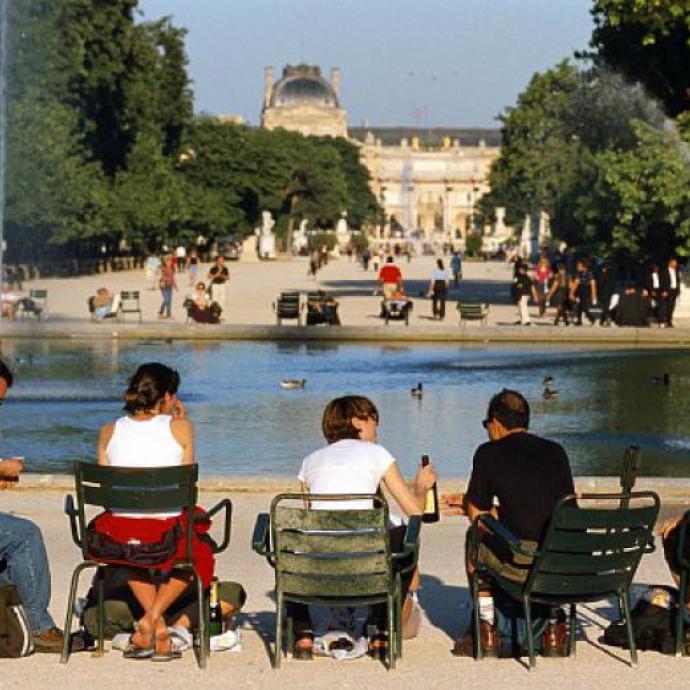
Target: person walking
{"x":438,"y":290}
{"x":167,"y":284}
{"x":456,"y":267}
{"x":522,"y":288}
{"x":583,"y":293}
{"x":559,"y":296}
{"x":390,"y":278}
{"x":542,"y":280}
{"x":670,"y":281}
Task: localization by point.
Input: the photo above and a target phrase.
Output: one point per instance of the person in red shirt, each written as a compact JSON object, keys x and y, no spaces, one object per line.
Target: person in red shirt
{"x":390,"y":278}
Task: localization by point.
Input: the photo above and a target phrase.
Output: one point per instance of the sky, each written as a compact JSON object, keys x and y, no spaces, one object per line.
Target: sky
{"x":452,"y":63}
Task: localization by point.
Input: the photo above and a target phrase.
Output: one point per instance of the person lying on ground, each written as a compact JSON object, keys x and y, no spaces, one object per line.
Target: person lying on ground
{"x":354,"y":463}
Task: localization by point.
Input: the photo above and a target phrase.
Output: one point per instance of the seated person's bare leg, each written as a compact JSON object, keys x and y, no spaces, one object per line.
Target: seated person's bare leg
{"x":155,"y":600}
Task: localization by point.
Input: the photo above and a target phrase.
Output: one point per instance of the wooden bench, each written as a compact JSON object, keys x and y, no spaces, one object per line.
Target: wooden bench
{"x":473,"y":311}
{"x":129,"y":304}
{"x":287,"y":306}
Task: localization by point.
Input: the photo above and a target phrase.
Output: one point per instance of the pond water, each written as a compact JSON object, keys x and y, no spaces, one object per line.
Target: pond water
{"x":247,"y":424}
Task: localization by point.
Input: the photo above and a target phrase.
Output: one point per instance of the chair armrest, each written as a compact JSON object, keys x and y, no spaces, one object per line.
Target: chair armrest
{"x":225,"y":504}
{"x":490,"y":523}
{"x":72,"y":514}
{"x":261,"y":536}
{"x":411,"y":538}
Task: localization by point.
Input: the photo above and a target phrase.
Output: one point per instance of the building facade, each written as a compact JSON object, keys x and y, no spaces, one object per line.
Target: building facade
{"x":428,"y":182}
{"x":304,"y":101}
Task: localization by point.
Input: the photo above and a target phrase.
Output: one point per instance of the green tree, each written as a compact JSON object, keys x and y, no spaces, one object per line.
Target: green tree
{"x":648,"y":41}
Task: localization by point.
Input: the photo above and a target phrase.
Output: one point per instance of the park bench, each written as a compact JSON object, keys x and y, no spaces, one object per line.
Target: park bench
{"x":334,"y":558}
{"x":585,"y":555}
{"x":473,"y":311}
{"x":129,"y":304}
{"x":287,"y":306}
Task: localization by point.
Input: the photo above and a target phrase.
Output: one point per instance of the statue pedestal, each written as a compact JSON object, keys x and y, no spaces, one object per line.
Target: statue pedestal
{"x":249,"y":250}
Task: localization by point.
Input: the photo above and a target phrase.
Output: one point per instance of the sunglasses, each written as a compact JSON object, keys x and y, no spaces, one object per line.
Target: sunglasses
{"x":486,"y":422}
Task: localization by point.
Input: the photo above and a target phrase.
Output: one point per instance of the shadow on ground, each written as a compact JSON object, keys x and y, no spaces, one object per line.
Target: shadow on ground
{"x":447,"y":607}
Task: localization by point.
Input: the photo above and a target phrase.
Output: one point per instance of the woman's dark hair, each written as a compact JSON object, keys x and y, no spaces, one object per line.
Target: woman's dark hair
{"x":149,"y":385}
{"x":509,"y":408}
{"x":339,"y":413}
{"x":439,"y":263}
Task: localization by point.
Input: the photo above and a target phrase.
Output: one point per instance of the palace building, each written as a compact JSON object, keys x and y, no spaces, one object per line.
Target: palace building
{"x":427,"y":180}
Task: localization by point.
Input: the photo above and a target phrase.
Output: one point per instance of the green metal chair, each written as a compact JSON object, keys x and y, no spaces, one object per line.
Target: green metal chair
{"x":137,"y":489}
{"x":334,"y":558}
{"x":683,"y":559}
{"x":585,"y":555}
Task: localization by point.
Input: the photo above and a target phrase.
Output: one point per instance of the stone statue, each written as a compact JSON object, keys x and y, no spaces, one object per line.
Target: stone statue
{"x":342,"y":234}
{"x":300,"y":241}
{"x":266,"y":237}
{"x":267,"y":223}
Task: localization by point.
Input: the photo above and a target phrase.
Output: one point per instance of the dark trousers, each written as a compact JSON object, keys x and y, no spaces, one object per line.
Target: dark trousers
{"x":671,"y":307}
{"x":438,"y":301}
{"x":583,"y":306}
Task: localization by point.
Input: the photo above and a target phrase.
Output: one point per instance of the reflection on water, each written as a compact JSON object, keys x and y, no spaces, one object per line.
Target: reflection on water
{"x":246,"y":424}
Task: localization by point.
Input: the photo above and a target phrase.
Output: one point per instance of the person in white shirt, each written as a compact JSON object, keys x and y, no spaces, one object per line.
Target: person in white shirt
{"x":354,"y":463}
{"x":154,"y":433}
{"x":438,"y":290}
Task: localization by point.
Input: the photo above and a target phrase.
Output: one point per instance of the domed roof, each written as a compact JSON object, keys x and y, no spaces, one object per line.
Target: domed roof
{"x":303,"y":84}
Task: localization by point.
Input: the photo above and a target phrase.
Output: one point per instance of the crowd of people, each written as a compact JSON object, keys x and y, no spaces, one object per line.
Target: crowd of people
{"x":597,"y":292}
{"x":154,"y":432}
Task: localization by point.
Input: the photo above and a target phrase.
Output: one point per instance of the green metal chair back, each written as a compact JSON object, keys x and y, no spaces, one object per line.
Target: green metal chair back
{"x":587,"y":553}
{"x":331,"y":553}
{"x":161,"y":489}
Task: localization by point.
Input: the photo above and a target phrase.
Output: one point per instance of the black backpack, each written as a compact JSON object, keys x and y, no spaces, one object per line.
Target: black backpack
{"x":16,"y":638}
{"x":653,"y":625}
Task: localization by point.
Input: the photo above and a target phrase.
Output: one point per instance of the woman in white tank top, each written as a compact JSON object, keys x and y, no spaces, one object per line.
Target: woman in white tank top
{"x":154,"y":433}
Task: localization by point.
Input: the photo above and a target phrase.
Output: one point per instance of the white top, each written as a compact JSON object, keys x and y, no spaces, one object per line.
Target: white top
{"x":146,"y":443}
{"x":349,"y":466}
{"x":440,"y":274}
{"x":673,"y":278}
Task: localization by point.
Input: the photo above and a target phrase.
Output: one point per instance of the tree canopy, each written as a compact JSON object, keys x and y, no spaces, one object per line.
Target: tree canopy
{"x":648,"y":41}
{"x":103,"y":145}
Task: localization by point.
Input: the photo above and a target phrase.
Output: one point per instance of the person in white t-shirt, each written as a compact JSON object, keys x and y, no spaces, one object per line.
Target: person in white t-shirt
{"x":354,"y":463}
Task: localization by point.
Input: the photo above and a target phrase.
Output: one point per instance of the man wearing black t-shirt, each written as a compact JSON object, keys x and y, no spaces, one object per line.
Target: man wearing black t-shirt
{"x":520,"y":478}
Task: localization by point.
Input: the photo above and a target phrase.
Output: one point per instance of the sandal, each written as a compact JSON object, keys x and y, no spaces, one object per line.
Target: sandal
{"x":303,"y":649}
{"x":134,"y":652}
{"x":166,"y":656}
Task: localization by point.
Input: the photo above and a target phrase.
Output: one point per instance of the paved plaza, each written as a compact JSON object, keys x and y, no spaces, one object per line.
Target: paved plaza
{"x":427,"y":659}
{"x":254,"y":287}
